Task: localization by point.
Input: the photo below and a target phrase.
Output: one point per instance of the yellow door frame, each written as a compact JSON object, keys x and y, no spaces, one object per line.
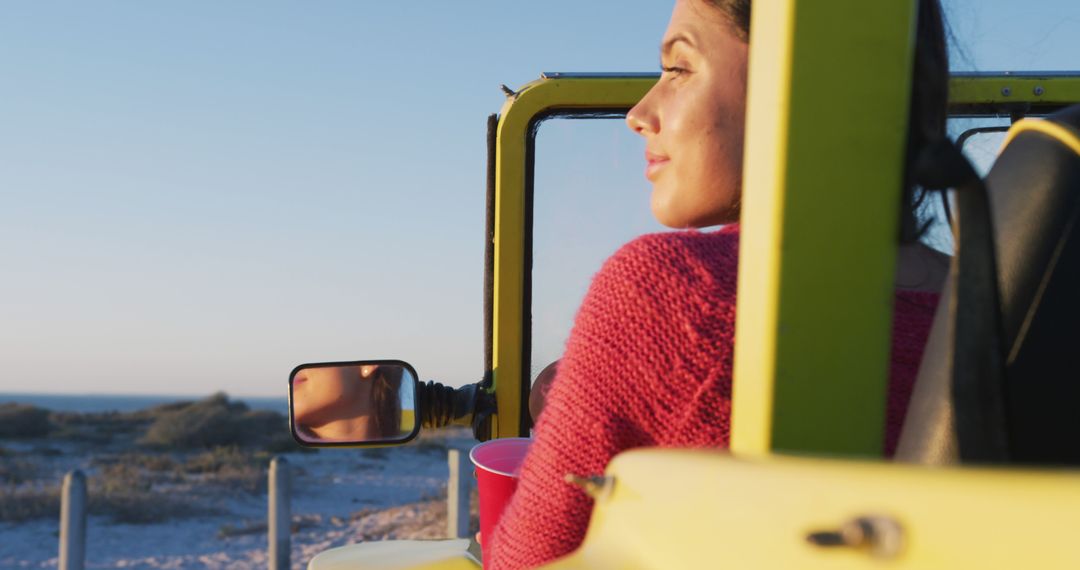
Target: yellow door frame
{"x":971,"y":94}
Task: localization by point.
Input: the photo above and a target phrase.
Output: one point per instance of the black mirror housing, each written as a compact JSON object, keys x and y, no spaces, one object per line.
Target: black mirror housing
{"x":354,"y":404}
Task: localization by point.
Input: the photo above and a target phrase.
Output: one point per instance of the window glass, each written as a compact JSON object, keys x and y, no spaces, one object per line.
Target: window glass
{"x":590,"y":197}
{"x":980,"y":145}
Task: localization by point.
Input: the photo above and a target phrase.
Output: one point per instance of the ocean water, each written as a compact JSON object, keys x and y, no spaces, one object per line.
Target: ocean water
{"x":88,"y":403}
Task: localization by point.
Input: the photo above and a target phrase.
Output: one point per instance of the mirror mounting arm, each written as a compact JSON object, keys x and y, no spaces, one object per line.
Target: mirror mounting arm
{"x":469,"y":405}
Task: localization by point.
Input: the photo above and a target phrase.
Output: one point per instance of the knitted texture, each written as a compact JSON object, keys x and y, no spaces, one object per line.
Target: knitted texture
{"x":648,"y":363}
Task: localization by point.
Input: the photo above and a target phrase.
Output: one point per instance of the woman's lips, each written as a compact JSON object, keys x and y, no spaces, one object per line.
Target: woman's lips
{"x":654,"y":163}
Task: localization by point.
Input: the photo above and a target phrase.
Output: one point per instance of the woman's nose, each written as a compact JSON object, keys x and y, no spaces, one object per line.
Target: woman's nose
{"x":641,"y":119}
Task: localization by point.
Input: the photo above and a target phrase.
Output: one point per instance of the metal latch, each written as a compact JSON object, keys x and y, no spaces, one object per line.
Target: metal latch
{"x":880,"y":536}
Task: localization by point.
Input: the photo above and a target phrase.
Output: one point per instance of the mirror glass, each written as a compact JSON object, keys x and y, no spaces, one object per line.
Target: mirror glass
{"x":348,"y":403}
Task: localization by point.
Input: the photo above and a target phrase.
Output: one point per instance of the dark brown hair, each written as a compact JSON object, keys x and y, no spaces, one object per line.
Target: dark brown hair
{"x":929,"y":97}
{"x":386,"y":399}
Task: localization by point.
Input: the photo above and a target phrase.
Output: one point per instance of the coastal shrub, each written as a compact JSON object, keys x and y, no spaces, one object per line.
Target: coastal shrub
{"x":154,"y":412}
{"x":81,"y":434}
{"x":230,"y":467}
{"x":139,"y":488}
{"x":98,"y":428}
{"x":229,"y":530}
{"x":151,"y":461}
{"x":284,"y":443}
{"x":26,"y":503}
{"x":45,"y":451}
{"x":136,"y":506}
{"x":258,"y":427}
{"x":125,"y":493}
{"x":201,"y":424}
{"x":119,"y":478}
{"x":213,"y":422}
{"x":14,"y":470}
{"x":218,"y":459}
{"x":23,"y":420}
{"x":258,"y":526}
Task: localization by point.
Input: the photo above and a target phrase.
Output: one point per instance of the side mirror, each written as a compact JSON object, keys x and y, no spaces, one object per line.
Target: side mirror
{"x":366,"y":402}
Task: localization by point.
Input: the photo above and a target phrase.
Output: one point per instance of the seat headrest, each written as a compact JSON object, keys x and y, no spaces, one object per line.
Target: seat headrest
{"x":1035,"y":199}
{"x":1034,"y":194}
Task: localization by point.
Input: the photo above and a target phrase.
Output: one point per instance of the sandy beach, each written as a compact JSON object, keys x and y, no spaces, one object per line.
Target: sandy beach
{"x":216,"y":517}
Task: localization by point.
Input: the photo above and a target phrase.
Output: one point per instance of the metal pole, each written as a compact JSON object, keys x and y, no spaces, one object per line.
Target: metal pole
{"x":280,"y":515}
{"x":73,"y":522}
{"x":457,"y":495}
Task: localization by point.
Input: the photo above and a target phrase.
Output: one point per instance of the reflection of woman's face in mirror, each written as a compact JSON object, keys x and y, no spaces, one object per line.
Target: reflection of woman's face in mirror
{"x":335,"y":402}
{"x":347,"y":403}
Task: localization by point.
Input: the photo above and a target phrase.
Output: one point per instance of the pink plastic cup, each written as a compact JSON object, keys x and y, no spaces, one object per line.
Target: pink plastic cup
{"x":497,"y":464}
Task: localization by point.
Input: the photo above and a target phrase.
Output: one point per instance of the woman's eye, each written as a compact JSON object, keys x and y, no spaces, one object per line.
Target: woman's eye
{"x":673,"y":70}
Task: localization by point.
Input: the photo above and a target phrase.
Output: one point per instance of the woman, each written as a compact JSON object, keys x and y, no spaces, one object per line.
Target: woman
{"x":347,"y":403}
{"x":649,"y":360}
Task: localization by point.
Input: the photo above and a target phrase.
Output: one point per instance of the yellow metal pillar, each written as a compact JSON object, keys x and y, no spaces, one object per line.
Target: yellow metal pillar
{"x":827,"y":120}
{"x":553,"y":94}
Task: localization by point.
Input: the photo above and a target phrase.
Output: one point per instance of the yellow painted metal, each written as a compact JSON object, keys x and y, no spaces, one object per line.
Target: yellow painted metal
{"x":826,"y":124}
{"x":408,"y":421}
{"x":706,"y":509}
{"x":535,"y":100}
{"x":1036,"y":88}
{"x":1065,"y":136}
{"x":865,"y":118}
{"x":621,"y":92}
{"x":397,"y":554}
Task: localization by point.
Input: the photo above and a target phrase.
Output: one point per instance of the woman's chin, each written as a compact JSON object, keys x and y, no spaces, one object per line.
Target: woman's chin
{"x":673,"y":219}
{"x":683,"y":218}
{"x":663,"y":210}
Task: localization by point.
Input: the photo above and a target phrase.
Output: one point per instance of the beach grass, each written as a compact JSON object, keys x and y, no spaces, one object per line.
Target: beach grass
{"x":145,"y":466}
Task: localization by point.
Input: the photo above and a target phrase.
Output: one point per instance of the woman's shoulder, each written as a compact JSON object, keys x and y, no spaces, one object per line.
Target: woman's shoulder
{"x":722,"y":241}
{"x":661,"y":312}
{"x":668,"y":274}
{"x":690,"y":256}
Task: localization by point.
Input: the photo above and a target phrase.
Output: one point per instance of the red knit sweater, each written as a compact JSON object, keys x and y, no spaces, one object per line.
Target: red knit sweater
{"x":648,"y":363}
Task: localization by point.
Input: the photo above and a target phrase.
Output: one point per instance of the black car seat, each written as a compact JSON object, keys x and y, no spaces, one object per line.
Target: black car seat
{"x":1007,"y":388}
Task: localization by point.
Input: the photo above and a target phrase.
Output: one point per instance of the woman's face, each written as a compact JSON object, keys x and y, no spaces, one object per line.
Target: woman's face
{"x":693,"y":119}
{"x":325,"y":394}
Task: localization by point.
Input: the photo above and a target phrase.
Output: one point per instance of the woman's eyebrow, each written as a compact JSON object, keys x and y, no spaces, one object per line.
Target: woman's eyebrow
{"x":669,"y":43}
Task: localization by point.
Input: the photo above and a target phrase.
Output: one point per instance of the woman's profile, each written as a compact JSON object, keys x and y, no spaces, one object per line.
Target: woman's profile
{"x":347,"y":403}
{"x":649,"y":359}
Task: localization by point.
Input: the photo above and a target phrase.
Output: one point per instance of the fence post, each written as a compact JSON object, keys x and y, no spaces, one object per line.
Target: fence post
{"x":457,"y":495}
{"x":73,"y":522}
{"x":280,"y":515}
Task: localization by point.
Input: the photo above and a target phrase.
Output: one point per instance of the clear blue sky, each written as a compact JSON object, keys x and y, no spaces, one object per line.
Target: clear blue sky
{"x":199,"y":195}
